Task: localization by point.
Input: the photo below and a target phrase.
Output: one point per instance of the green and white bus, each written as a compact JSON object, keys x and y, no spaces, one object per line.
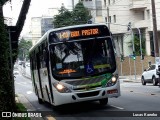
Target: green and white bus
{"x":75,"y":64}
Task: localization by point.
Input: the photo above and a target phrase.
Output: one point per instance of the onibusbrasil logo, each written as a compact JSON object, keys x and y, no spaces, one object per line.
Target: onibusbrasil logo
{"x":23,"y":114}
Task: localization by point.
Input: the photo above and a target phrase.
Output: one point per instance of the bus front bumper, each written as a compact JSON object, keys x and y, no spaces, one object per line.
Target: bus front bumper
{"x":90,"y":95}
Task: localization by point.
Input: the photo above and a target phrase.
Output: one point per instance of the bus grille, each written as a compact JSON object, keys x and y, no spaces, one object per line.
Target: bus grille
{"x":86,"y":88}
{"x":86,"y":82}
{"x":88,"y":94}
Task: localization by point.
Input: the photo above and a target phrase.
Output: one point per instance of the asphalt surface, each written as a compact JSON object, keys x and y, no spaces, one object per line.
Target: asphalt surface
{"x":135,"y":99}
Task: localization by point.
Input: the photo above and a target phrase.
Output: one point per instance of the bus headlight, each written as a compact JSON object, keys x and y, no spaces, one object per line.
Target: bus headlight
{"x":112,"y":81}
{"x":61,"y":88}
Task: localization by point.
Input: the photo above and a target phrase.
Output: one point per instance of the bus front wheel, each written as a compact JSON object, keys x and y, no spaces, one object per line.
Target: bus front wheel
{"x":103,"y":101}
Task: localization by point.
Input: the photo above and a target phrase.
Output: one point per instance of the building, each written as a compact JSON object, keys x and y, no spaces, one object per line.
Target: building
{"x":40,"y":25}
{"x":121,"y":13}
{"x":95,"y":8}
{"x":137,"y":14}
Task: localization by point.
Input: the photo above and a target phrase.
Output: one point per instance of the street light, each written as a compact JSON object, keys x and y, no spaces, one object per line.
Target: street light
{"x":140,"y":40}
{"x":128,"y":28}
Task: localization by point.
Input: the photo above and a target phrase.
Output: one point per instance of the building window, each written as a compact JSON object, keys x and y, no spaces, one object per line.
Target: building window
{"x":148,"y":14}
{"x":90,"y":0}
{"x":105,"y":19}
{"x":105,"y":3}
{"x":113,"y":1}
{"x":98,"y":8}
{"x":109,"y":2}
{"x":110,"y":19}
{"x":114,"y":17}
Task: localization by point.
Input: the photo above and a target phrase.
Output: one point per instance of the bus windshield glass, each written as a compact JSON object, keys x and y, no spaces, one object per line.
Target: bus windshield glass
{"x":84,"y":58}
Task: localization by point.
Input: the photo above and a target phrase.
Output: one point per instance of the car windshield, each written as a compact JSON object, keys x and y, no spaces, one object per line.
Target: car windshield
{"x":82,"y":58}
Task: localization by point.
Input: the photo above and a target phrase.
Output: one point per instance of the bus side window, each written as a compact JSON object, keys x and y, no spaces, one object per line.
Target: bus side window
{"x":34,"y":61}
{"x":45,"y":57}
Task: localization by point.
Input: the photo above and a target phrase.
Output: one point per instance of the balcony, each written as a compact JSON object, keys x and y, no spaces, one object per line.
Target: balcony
{"x":137,"y":5}
{"x":141,"y":24}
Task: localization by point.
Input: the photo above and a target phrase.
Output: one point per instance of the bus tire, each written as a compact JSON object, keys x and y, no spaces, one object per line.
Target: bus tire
{"x":40,"y":101}
{"x":57,"y":108}
{"x":103,"y":101}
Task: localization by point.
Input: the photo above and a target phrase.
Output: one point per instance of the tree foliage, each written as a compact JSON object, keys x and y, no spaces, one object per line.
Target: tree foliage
{"x":2,"y":2}
{"x":6,"y":91}
{"x":7,"y":94}
{"x":79,"y":15}
{"x":24,"y":46}
{"x":137,"y":45}
{"x":64,"y":18}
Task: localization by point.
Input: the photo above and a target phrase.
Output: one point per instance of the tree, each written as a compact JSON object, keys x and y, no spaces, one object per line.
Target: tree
{"x":5,"y":83}
{"x":7,"y":94}
{"x":79,"y":15}
{"x":64,"y":18}
{"x":24,"y":46}
{"x":137,"y":45}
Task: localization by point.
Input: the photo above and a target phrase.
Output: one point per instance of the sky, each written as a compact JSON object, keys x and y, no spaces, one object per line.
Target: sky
{"x":37,"y":8}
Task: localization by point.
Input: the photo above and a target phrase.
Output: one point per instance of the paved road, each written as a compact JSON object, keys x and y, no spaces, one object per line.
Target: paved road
{"x":134,"y":97}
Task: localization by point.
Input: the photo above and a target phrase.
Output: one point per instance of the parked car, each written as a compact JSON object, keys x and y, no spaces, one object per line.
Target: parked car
{"x":150,"y":75}
{"x":20,"y":62}
{"x":28,"y":64}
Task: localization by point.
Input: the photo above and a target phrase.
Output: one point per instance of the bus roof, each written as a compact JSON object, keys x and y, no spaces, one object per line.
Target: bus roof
{"x":62,"y":28}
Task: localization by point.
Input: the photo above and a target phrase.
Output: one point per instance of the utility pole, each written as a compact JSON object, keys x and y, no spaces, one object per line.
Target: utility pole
{"x":72,"y":4}
{"x":133,"y":46}
{"x":155,"y":34}
{"x":140,"y":40}
{"x":108,"y":17}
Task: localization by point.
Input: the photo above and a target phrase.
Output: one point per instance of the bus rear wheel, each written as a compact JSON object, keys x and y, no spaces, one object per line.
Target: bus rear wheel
{"x":103,"y":101}
{"x":40,"y":101}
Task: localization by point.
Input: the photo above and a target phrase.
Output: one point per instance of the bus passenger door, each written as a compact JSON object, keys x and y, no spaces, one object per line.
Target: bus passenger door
{"x":37,"y":76}
{"x":43,"y":72}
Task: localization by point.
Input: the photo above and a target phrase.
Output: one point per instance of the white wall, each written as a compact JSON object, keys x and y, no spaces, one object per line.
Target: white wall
{"x":35,"y":29}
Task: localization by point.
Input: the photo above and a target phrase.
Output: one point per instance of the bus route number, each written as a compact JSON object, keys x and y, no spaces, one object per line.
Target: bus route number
{"x":78,"y":33}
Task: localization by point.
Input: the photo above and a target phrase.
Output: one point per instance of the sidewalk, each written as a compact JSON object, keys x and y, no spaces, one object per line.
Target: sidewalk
{"x":131,"y":78}
{"x":22,"y":99}
{"x":25,"y":71}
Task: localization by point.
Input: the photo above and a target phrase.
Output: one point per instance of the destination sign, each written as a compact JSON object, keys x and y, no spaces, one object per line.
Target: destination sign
{"x":77,"y":33}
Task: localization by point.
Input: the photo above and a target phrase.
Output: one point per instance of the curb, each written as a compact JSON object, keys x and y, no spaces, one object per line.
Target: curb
{"x":22,"y":99}
{"x":26,"y":76}
{"x":132,"y":80}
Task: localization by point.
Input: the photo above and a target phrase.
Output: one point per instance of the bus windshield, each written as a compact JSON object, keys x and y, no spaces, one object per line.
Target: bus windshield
{"x":79,"y":59}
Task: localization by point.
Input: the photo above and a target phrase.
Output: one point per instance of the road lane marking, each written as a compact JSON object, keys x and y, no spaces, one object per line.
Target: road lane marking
{"x":29,"y":92}
{"x":117,"y":107}
{"x":49,"y":117}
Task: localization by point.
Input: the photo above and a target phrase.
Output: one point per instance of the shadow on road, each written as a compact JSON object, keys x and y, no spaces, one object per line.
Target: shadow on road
{"x":82,"y":109}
